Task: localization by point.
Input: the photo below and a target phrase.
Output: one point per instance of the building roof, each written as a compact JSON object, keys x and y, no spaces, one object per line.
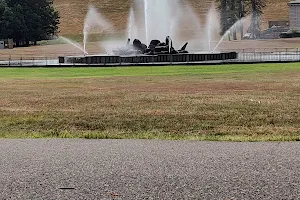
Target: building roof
{"x":294,"y":2}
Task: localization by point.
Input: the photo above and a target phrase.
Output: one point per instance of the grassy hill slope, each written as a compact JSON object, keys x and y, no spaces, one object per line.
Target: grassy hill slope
{"x":73,"y":12}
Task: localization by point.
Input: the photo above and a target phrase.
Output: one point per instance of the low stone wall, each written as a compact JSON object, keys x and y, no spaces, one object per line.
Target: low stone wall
{"x":145,"y":59}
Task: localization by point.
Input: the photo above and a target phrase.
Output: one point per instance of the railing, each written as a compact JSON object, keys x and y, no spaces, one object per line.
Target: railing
{"x":26,"y":60}
{"x":269,"y":57}
{"x":265,"y":50}
{"x":244,"y":56}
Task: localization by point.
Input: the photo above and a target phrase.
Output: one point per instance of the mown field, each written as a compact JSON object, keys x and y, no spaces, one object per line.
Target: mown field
{"x":229,"y":102}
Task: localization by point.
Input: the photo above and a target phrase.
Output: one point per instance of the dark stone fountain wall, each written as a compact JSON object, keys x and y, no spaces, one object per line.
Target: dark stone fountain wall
{"x":148,"y":59}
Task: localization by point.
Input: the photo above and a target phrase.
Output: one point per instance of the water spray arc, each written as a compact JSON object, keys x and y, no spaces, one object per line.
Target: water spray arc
{"x":75,"y":44}
{"x":237,"y":24}
{"x":167,"y":24}
{"x":94,"y":21}
{"x":156,"y":19}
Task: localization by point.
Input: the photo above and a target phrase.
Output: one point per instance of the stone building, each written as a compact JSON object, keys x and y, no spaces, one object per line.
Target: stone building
{"x":294,"y":15}
{"x":2,"y":44}
{"x":6,"y":43}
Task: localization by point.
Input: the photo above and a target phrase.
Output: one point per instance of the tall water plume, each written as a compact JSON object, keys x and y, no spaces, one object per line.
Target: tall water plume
{"x":212,"y":27}
{"x":96,"y":22}
{"x":131,"y":26}
{"x":156,"y":19}
{"x":146,"y":17}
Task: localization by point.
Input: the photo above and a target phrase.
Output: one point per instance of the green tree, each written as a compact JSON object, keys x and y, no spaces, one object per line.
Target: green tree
{"x":233,"y":17}
{"x":233,"y":10}
{"x":31,"y":20}
{"x":19,"y":24}
{"x":256,"y":7}
{"x":242,"y":14}
{"x":6,"y":19}
{"x":229,"y":16}
{"x":223,"y":16}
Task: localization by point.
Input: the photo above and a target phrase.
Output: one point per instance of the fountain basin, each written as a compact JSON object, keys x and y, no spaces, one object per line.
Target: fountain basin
{"x":147,"y":59}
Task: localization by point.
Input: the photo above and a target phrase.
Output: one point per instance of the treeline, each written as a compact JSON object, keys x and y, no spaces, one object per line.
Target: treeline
{"x":28,"y":21}
{"x":232,"y":11}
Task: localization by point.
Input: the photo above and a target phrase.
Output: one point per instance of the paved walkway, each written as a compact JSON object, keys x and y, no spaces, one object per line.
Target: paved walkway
{"x":148,"y":169}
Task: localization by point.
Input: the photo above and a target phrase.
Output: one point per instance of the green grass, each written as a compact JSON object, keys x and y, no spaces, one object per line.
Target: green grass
{"x":156,"y":136}
{"x":87,"y":72}
{"x":218,"y":103}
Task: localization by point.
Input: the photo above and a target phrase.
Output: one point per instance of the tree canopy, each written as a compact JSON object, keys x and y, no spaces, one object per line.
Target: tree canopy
{"x":232,"y":11}
{"x":28,"y":21}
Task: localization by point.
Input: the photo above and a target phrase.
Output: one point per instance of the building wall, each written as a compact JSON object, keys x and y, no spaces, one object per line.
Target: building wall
{"x":2,"y":44}
{"x":6,"y":44}
{"x":295,"y":16}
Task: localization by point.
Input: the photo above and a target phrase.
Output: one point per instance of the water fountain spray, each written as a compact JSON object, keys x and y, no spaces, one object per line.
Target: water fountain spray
{"x":75,"y":44}
{"x":153,"y":21}
{"x":146,"y":10}
{"x":209,"y":33}
{"x":94,"y":21}
{"x":235,"y":25}
{"x":131,"y":26}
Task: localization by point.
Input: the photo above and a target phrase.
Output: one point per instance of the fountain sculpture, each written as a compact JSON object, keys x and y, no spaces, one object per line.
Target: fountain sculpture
{"x":161,"y":24}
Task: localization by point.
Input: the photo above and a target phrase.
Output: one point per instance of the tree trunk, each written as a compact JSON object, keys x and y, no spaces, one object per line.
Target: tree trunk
{"x":234,"y":33}
{"x":27,"y":43}
{"x":257,"y":6}
{"x":242,"y":30}
{"x":223,"y":8}
{"x":242,"y":13}
{"x":17,"y":43}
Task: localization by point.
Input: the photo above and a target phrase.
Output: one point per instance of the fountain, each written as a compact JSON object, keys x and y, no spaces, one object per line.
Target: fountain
{"x":75,"y":44}
{"x":211,"y":27}
{"x":94,"y":21}
{"x":162,"y":25}
{"x":236,"y":25}
{"x":131,"y":28}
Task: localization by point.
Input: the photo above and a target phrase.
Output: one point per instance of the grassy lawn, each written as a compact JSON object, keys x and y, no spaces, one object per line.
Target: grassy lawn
{"x":228,"y":102}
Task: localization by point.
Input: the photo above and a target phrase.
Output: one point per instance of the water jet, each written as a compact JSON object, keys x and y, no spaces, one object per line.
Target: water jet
{"x":155,"y":30}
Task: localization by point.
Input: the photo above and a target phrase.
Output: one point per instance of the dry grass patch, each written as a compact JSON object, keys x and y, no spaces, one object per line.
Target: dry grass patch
{"x":163,"y":107}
